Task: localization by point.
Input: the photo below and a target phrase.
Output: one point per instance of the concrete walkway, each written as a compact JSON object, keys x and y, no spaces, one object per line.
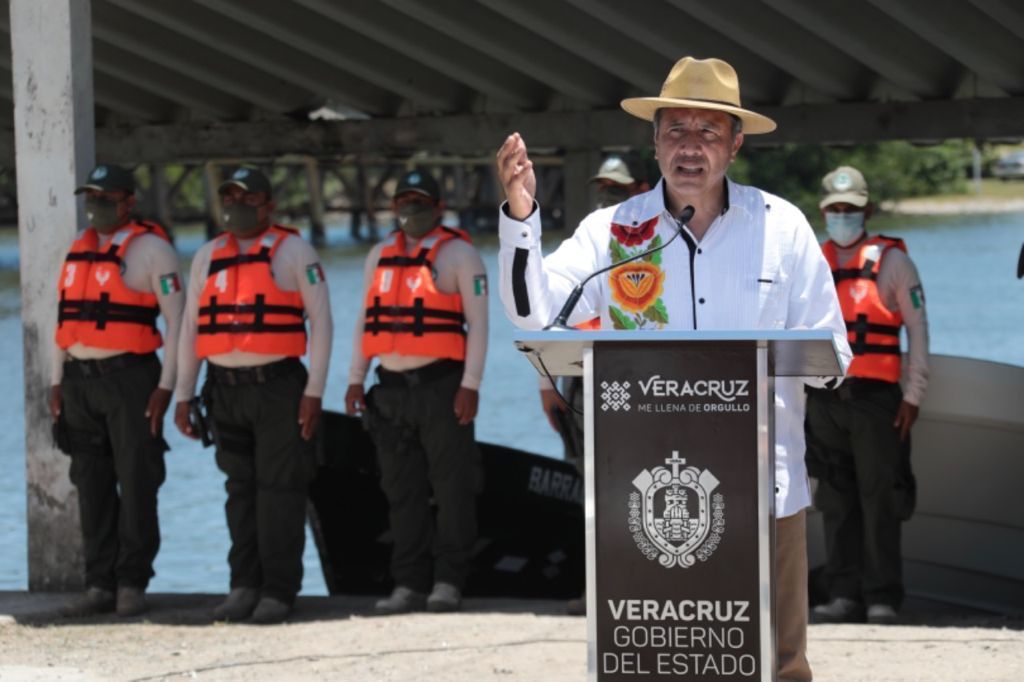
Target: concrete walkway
{"x":336,"y":638}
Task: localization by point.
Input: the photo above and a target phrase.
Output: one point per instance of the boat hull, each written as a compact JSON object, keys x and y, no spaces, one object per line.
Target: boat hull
{"x":529,"y":515}
{"x":965,"y":543}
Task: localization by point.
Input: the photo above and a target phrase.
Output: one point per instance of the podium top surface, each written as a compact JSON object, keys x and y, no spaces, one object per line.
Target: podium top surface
{"x":791,"y":352}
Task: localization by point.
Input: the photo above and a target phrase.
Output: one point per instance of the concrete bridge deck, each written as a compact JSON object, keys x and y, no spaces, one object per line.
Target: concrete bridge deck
{"x":336,"y":638}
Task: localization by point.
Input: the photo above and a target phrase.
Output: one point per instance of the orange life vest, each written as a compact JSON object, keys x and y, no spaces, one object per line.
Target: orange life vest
{"x":405,"y":313}
{"x":242,"y":308}
{"x":872,"y":329}
{"x":96,"y":307}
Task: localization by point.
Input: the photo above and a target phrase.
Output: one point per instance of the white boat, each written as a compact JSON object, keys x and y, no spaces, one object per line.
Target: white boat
{"x":965,"y":542}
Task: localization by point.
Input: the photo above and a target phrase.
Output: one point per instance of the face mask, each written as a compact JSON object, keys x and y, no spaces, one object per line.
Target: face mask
{"x":844,"y":228}
{"x":101,"y":212}
{"x":415,"y":220}
{"x":609,"y":196}
{"x":241,"y":218}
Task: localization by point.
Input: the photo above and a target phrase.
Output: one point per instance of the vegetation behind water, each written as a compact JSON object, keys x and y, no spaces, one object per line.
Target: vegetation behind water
{"x":894,"y":170}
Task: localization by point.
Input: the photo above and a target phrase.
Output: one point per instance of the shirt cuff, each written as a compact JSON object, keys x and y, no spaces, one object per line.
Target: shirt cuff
{"x":357,"y":375}
{"x":470,"y":381}
{"x":913,"y":397}
{"x":521,"y":234}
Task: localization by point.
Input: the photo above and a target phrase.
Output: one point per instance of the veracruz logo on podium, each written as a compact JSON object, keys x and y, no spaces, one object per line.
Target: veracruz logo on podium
{"x":674,"y":515}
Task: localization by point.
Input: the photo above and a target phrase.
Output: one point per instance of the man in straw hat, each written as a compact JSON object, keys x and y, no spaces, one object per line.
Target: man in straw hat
{"x":746,"y":260}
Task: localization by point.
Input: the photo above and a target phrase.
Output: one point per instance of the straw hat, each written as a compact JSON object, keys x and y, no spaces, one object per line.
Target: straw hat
{"x":700,"y":84}
{"x":616,"y":170}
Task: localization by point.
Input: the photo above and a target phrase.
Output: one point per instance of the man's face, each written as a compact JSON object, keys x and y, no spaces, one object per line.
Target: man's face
{"x":610,"y":192}
{"x":258,"y":203}
{"x":122,"y":203}
{"x":843,"y":207}
{"x":416,"y":213}
{"x":417,"y":198}
{"x":694,"y":148}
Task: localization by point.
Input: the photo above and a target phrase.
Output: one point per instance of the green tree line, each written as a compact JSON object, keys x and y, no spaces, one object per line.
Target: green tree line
{"x":894,"y":170}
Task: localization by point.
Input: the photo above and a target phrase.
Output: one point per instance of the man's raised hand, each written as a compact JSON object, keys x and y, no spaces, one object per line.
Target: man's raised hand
{"x":517,"y":177}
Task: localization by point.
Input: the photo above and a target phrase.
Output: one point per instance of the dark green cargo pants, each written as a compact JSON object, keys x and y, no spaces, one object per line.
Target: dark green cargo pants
{"x":269,"y":469}
{"x":424,"y":452}
{"x":116,"y":465}
{"x":865,"y":487}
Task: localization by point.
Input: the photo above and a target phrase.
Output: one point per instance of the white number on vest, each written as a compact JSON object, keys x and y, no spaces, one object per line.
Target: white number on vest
{"x":69,"y":275}
{"x":222,"y":281}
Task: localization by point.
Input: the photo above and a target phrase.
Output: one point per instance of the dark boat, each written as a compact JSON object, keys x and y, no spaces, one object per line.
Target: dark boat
{"x":530,"y":518}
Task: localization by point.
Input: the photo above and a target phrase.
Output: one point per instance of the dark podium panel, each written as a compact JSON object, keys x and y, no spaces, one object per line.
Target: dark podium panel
{"x":680,"y":494}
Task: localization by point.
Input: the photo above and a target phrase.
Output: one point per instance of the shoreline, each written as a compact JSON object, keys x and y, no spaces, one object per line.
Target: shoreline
{"x":952,"y":205}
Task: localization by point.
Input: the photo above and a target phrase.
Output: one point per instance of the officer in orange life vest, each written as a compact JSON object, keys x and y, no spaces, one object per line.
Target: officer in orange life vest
{"x":109,"y":393}
{"x":858,"y":436}
{"x":251,"y":291}
{"x":426,"y":323}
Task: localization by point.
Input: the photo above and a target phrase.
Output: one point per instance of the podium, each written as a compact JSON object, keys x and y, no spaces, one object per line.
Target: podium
{"x":680,"y":492}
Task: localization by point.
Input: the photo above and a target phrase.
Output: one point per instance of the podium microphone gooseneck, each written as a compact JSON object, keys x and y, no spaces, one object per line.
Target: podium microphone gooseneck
{"x":559,"y":323}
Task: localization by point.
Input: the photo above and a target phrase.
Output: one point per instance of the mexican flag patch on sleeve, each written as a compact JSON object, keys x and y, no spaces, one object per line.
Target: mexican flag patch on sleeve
{"x":314,"y":273}
{"x":917,"y":296}
{"x":169,"y":284}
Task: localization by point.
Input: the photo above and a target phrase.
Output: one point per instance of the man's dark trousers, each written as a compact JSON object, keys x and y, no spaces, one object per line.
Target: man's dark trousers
{"x":423,"y":451}
{"x":269,"y":468}
{"x":866,"y":488}
{"x":116,"y":465}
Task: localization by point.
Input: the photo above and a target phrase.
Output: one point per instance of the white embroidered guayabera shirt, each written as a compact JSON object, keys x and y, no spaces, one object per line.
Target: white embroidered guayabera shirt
{"x":758,"y":266}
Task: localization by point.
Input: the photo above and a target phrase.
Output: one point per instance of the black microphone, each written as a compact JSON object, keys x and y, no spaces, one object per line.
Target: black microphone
{"x":559,"y":323}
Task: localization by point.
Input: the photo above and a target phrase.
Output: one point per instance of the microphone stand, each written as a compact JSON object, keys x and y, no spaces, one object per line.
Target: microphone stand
{"x":559,"y":323}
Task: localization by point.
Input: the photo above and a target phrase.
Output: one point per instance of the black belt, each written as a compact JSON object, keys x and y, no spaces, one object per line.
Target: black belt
{"x":420,"y":375}
{"x":854,"y":387}
{"x":259,"y":374}
{"x":75,"y":368}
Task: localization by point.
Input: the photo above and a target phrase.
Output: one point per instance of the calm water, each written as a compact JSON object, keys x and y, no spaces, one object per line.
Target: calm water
{"x":975,"y":306}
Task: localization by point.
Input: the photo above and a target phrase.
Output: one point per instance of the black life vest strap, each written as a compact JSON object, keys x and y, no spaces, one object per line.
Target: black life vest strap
{"x":417,"y":326}
{"x":103,"y":311}
{"x":108,"y":256}
{"x":251,"y":328}
{"x":259,"y":310}
{"x":413,"y":328}
{"x":403,"y":261}
{"x":866,"y":272}
{"x":861,"y":328}
{"x":218,"y":264}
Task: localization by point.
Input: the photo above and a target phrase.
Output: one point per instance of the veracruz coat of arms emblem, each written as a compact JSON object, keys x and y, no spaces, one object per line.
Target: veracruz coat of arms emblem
{"x":675,"y":514}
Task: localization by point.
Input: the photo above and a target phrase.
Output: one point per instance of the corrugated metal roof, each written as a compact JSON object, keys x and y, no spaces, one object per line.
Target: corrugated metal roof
{"x":222,"y":61}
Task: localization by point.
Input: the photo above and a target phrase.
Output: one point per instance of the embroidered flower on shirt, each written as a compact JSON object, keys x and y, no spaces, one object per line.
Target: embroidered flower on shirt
{"x":632,"y":235}
{"x":636,"y":286}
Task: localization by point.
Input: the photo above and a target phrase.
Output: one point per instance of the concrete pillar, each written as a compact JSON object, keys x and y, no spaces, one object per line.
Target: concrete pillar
{"x":161,"y":191}
{"x":316,"y":202}
{"x":54,"y":130}
{"x":579,"y":166}
{"x":211,"y":181}
{"x":976,"y":165}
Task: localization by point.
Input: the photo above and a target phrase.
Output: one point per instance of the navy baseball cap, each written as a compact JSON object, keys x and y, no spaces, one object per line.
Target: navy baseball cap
{"x":249,"y":180}
{"x":421,"y":182}
{"x":109,"y":178}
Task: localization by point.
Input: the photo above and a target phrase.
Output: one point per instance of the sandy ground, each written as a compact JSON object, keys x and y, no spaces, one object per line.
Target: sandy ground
{"x":335,"y":638}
